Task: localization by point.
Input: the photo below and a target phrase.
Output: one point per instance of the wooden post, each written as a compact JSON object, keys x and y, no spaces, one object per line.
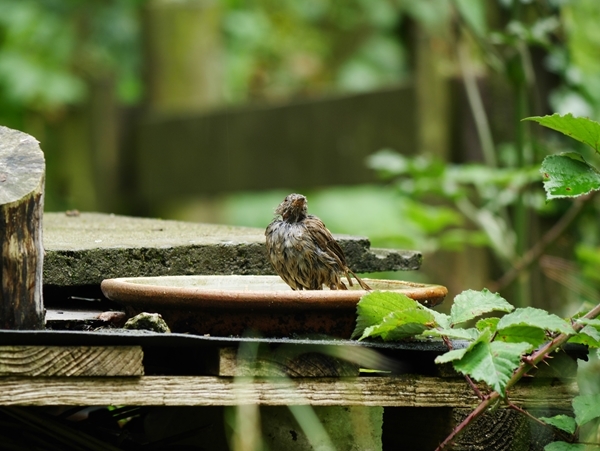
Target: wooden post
{"x":22,"y":170}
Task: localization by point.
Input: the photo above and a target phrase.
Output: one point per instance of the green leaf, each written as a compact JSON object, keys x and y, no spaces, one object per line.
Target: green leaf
{"x":522,"y":334}
{"x":594,"y":322}
{"x":441,"y":319}
{"x":450,"y":356}
{"x":562,"y":422}
{"x":564,"y":446}
{"x":456,"y":334}
{"x":470,"y":304}
{"x":568,"y":175}
{"x":374,"y":307}
{"x":586,"y":408}
{"x":487,"y":323}
{"x":400,"y":324}
{"x":391,"y":316}
{"x":588,"y":336}
{"x":580,"y":128}
{"x":492,"y":363}
{"x":534,"y":317}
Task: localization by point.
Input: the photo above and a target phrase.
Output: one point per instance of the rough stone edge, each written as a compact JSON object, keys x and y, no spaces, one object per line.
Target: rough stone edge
{"x":90,"y":267}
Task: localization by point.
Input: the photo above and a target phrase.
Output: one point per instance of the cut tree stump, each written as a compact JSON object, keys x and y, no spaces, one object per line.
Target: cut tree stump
{"x":22,"y":171}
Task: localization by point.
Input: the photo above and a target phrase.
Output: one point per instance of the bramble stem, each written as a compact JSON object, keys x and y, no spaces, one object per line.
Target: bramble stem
{"x":521,"y":371}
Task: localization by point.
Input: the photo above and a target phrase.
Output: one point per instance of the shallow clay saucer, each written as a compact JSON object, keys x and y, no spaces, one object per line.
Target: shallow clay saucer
{"x":232,"y":305}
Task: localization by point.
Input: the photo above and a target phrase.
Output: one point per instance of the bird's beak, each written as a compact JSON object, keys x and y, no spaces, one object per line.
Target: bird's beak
{"x":299,"y":202}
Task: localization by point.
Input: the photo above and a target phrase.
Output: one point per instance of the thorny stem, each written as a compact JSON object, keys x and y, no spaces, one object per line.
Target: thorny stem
{"x":538,"y":249}
{"x":521,"y":371}
{"x":479,"y":410}
{"x":474,"y":387}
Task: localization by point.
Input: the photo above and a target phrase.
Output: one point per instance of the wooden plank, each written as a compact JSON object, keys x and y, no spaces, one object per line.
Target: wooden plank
{"x":71,"y":361}
{"x":73,"y":318}
{"x":277,"y":364}
{"x":405,"y":391}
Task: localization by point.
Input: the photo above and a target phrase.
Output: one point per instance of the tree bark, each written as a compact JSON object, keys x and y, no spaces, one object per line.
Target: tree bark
{"x":22,"y":171}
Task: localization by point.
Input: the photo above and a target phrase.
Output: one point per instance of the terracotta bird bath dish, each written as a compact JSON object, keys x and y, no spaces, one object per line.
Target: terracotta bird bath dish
{"x":265,"y":305}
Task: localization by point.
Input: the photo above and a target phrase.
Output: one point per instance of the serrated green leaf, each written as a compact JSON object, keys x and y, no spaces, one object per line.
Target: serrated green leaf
{"x":588,"y":336}
{"x":450,"y":356}
{"x":586,"y":408}
{"x":442,"y":320}
{"x":594,"y":322}
{"x":375,"y":306}
{"x":580,"y":128}
{"x":564,"y":446}
{"x":456,"y":334}
{"x":470,"y":304}
{"x":568,"y":175}
{"x":400,"y":324}
{"x":534,"y":317}
{"x":562,"y":422}
{"x":522,"y":334}
{"x":487,"y":323}
{"x":492,"y":363}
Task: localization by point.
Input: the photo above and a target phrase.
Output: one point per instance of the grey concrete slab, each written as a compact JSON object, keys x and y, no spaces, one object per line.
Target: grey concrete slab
{"x":90,"y":247}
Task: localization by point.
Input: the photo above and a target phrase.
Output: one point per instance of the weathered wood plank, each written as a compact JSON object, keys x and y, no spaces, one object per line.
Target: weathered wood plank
{"x":272,"y":364}
{"x":407,"y":391}
{"x":71,"y":361}
{"x":22,"y":173}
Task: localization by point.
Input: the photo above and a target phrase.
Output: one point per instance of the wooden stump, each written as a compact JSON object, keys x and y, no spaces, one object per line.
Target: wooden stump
{"x":22,"y":170}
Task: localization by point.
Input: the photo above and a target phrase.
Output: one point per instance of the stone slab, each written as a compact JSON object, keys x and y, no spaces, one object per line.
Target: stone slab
{"x":86,"y":248}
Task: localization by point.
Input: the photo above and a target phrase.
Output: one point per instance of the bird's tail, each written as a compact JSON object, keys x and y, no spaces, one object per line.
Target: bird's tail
{"x":362,"y":284}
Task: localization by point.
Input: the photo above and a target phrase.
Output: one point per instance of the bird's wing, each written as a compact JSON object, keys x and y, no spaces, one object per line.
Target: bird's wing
{"x":324,"y":239}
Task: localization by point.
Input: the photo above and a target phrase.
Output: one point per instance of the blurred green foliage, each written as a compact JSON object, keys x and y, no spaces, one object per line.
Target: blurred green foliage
{"x":50,"y":49}
{"x":278,"y":49}
{"x":479,"y":193}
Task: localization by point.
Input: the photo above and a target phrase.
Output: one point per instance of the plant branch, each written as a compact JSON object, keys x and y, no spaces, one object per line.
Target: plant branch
{"x":477,"y":108}
{"x":534,"y":253}
{"x":479,"y":410}
{"x":521,"y":371}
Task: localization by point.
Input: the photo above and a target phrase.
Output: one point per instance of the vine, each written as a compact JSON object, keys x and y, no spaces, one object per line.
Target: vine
{"x":499,"y":351}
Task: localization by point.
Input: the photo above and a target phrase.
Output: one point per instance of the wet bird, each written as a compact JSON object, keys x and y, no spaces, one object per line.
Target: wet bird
{"x":303,"y":251}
